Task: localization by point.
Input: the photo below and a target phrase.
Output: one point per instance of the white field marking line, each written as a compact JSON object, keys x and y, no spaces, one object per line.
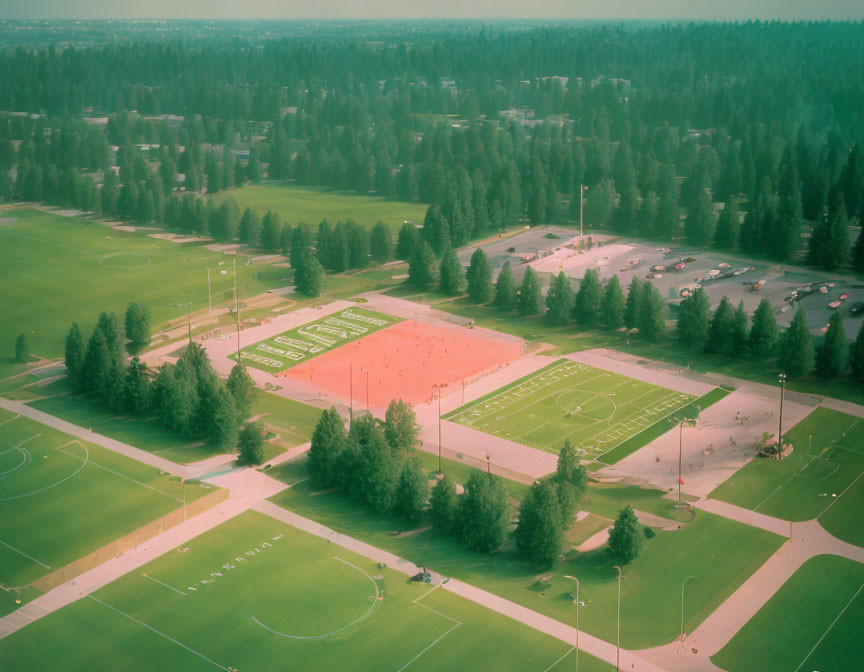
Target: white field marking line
{"x":117,"y":473}
{"x":637,"y":413}
{"x":437,"y":639}
{"x":29,"y":557}
{"x":343,"y":628}
{"x":47,"y":242}
{"x":54,"y":485}
{"x":161,"y":634}
{"x":833,"y":623}
{"x":559,"y":660}
{"x":23,"y":450}
{"x":10,"y":420}
{"x":147,"y":576}
{"x":668,"y":415}
{"x":776,"y":490}
{"x":835,"y":499}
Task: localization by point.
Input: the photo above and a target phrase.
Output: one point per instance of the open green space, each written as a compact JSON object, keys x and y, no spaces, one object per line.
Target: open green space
{"x":56,"y":270}
{"x":596,"y":409}
{"x":721,"y":552}
{"x":302,"y":343}
{"x":812,"y":623}
{"x":61,"y":498}
{"x":309,"y":204}
{"x":254,"y":593}
{"x":821,"y":478}
{"x":292,"y":420}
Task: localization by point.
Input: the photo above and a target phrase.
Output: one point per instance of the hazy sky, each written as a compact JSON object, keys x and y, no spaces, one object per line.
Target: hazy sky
{"x":355,"y":9}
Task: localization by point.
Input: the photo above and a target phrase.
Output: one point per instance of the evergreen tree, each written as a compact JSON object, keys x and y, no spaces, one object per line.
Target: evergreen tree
{"x":451,"y":275}
{"x":301,"y":243}
{"x":358,"y":245}
{"x":587,"y":307}
{"x":242,"y":389}
{"x":22,"y":349}
{"x":250,"y":228}
{"x":505,"y":289}
{"x":693,"y":319}
{"x":858,"y":252}
{"x":271,"y":233}
{"x":721,"y":332}
{"x":763,"y":336}
{"x":137,"y":326}
{"x":443,"y":504}
{"x":728,"y":227}
{"x":652,"y":313}
{"x":309,"y":277}
{"x":75,"y":354}
{"x":833,"y":354}
{"x":569,"y":470}
{"x":325,"y":451}
{"x":412,"y":491}
{"x":250,"y":444}
{"x":138,"y":388}
{"x":699,"y":225}
{"x":631,"y":309}
{"x":529,"y":299}
{"x":400,"y":425}
{"x":856,"y":356}
{"x":479,"y":276}
{"x":381,"y":243}
{"x":378,"y":472}
{"x":626,"y":537}
{"x":559,"y":299}
{"x":420,"y":267}
{"x":740,"y":329}
{"x":613,"y":304}
{"x":540,"y":532}
{"x":406,"y":241}
{"x":221,"y":426}
{"x":796,"y":347}
{"x":482,"y":515}
{"x":436,"y":230}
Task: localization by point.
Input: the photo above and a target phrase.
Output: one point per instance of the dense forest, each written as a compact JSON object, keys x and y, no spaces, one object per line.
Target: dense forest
{"x":740,"y":136}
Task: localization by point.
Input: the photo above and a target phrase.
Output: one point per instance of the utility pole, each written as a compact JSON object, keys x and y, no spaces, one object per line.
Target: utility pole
{"x":782,"y":380}
{"x":582,"y":189}
{"x":439,"y":430}
{"x":209,"y":295}
{"x":237,"y":309}
{"x":351,"y":392}
{"x":680,"y":504}
{"x":618,"y":636}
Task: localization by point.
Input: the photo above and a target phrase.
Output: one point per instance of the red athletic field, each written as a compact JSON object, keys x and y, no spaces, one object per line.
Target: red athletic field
{"x":405,"y":361}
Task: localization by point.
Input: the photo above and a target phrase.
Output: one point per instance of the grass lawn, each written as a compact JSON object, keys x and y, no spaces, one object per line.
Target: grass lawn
{"x":803,"y":485}
{"x":254,"y":593}
{"x":56,"y":270}
{"x":315,"y":338}
{"x":596,"y":409}
{"x":721,"y":552}
{"x":61,"y":498}
{"x":309,"y":204}
{"x":812,"y":623}
{"x":293,"y":421}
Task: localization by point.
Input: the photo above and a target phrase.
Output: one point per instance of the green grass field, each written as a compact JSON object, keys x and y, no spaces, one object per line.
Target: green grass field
{"x":56,"y":270}
{"x":315,"y":338}
{"x":721,"y":552}
{"x":822,"y":478}
{"x":256,"y":594}
{"x":812,"y":623}
{"x":597,"y":410}
{"x":308,"y":204}
{"x":61,"y":498}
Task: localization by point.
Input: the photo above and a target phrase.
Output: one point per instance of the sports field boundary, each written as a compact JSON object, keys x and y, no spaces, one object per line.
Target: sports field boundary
{"x":129,"y":541}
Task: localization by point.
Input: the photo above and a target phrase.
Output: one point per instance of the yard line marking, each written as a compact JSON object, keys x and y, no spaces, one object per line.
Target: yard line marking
{"x":47,"y":242}
{"x":834,"y":500}
{"x":10,"y":420}
{"x":48,"y":487}
{"x":117,"y":473}
{"x":848,"y":604}
{"x":161,"y":634}
{"x":438,"y":639}
{"x":29,"y":557}
{"x":559,"y":660}
{"x":147,"y":576}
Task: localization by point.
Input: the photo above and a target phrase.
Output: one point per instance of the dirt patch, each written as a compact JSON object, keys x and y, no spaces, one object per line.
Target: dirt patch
{"x":323,"y":492}
{"x":411,"y":533}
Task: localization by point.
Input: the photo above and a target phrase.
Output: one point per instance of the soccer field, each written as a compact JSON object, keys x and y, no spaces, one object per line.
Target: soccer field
{"x":315,"y":338}
{"x":595,"y":409}
{"x":812,"y":623}
{"x":61,"y":498}
{"x":256,"y":594}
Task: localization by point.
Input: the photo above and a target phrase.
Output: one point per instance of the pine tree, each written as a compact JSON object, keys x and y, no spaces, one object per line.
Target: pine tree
{"x":631,"y":309}
{"x":721,"y":332}
{"x":693,"y":319}
{"x":75,"y":354}
{"x":242,"y":389}
{"x":378,"y":472}
{"x":482,"y":515}
{"x":381,"y":243}
{"x":250,"y":228}
{"x":833,"y":354}
{"x":728,"y":227}
{"x":451,"y":275}
{"x":271,"y":232}
{"x":613,"y":304}
{"x":443,"y":504}
{"x":412,"y":491}
{"x":138,"y":388}
{"x":740,"y":329}
{"x":559,"y":299}
{"x":325,"y":451}
{"x":699,"y":225}
{"x":137,"y":326}
{"x":400,"y":425}
{"x":301,"y":242}
{"x":856,"y":356}
{"x":540,"y":532}
{"x":505,"y":289}
{"x":479,"y":276}
{"x":796,"y":347}
{"x":586,"y":308}
{"x":763,"y":336}
{"x":406,"y":241}
{"x":221,"y":426}
{"x":309,"y":276}
{"x":358,"y":245}
{"x":420,"y":267}
{"x":569,"y":470}
{"x":529,"y":299}
{"x":250,"y":444}
{"x":652,"y":313}
{"x":858,"y":252}
{"x":626,"y":537}
{"x":436,"y":230}
{"x":22,"y":349}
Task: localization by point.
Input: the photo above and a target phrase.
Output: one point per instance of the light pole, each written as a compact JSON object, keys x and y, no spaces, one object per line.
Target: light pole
{"x":680,"y":504}
{"x":782,"y":380}
{"x":618,"y":635}
{"x":582,"y":190}
{"x":683,"y":583}
{"x":439,"y":430}
{"x":567,"y":576}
